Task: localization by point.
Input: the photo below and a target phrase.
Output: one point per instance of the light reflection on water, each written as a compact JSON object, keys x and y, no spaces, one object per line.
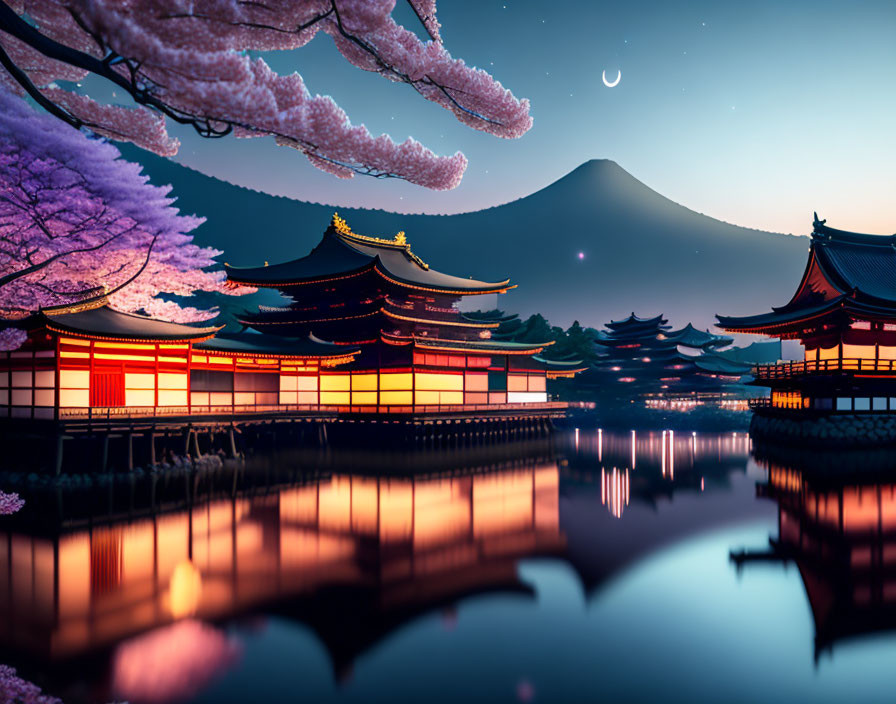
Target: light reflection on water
{"x":598,"y":568}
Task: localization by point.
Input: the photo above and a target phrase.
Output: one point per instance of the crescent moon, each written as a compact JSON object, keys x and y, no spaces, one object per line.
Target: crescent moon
{"x":615,"y":83}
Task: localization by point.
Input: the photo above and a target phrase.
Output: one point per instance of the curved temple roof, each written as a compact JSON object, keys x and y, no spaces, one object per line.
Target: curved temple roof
{"x":261,"y":344}
{"x":95,"y":319}
{"x":342,"y":254}
{"x":846,"y":270}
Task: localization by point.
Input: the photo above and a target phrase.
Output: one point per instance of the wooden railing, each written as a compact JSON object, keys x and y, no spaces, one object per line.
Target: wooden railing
{"x":824,"y":366}
{"x":110,"y":413}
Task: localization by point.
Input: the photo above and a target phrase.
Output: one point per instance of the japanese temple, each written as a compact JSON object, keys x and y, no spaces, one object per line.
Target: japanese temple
{"x":417,"y":349}
{"x":844,"y":315}
{"x":89,"y":359}
{"x":645,"y":360}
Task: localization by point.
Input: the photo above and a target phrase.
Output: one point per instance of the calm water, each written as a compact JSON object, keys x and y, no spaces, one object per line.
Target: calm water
{"x":647,"y":567}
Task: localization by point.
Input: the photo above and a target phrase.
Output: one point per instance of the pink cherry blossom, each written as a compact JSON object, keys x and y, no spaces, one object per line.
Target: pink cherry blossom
{"x":189,"y":61}
{"x":75,"y":218}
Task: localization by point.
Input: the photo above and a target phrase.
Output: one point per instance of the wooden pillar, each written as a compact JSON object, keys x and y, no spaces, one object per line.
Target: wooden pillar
{"x":57,"y":460}
{"x":129,"y":439}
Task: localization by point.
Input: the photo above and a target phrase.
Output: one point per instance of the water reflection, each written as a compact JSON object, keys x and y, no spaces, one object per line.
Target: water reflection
{"x":839,"y":529}
{"x":146,"y":592}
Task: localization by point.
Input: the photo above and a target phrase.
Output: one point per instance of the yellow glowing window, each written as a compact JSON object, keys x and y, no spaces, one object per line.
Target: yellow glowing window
{"x":396,"y":398}
{"x":858,"y":351}
{"x":364,"y":397}
{"x":74,"y":379}
{"x":74,"y":398}
{"x":172,"y":397}
{"x":220,"y":360}
{"x":175,"y":360}
{"x":199,"y":398}
{"x":829,"y":353}
{"x":335,"y":382}
{"x":887,"y":352}
{"x":395,"y":382}
{"x":439,"y":382}
{"x":72,"y":341}
{"x":308,"y":397}
{"x":335,"y":398}
{"x":199,"y":358}
{"x":139,"y":381}
{"x":122,"y":346}
{"x":364,"y":382}
{"x":74,"y":355}
{"x":139,"y":397}
{"x":173,"y":347}
{"x":289,"y":383}
{"x":306,"y":383}
{"x":426,"y":397}
{"x":125,"y":357}
{"x":172,"y":381}
{"x":451,"y":397}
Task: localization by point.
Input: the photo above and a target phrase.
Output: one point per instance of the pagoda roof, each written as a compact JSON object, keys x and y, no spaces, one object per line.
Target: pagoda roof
{"x":634,"y":320}
{"x":848,"y":270}
{"x":343,"y":254}
{"x":506,"y":347}
{"x":260,"y":344}
{"x":689,"y":336}
{"x":94,"y":319}
{"x":720,"y":365}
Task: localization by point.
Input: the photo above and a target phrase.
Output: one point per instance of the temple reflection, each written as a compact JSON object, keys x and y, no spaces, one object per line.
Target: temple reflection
{"x":396,"y":544}
{"x":839,"y":529}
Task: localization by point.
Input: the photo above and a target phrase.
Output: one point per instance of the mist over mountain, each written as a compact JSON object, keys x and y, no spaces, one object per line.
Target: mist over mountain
{"x":642,"y":252}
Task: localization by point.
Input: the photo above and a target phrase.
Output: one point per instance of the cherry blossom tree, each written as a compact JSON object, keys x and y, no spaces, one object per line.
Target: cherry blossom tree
{"x":10,"y":503}
{"x":15,"y":690}
{"x":75,"y":218}
{"x":189,"y":61}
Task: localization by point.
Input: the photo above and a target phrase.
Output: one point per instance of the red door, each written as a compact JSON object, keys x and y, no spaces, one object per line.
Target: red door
{"x":106,"y":388}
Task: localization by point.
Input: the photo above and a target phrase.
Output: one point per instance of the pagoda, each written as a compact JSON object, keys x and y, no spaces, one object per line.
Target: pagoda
{"x":644,"y":359}
{"x":418,"y":350}
{"x":844,"y":314}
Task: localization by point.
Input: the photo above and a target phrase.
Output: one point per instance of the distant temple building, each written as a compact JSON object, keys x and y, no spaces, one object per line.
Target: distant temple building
{"x":417,"y":349}
{"x":644,"y":360}
{"x":844,"y":314}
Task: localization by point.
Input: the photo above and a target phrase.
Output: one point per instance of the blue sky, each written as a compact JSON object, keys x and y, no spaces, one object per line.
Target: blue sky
{"x":755,"y":113}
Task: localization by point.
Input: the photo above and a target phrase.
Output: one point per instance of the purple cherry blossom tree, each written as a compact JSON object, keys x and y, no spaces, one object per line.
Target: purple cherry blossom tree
{"x":76,"y":218}
{"x":15,"y":690}
{"x":188,"y":61}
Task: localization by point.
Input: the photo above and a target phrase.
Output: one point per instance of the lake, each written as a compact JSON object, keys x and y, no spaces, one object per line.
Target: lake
{"x":595,"y":566}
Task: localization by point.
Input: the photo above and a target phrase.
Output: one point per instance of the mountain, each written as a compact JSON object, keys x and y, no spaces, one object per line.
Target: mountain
{"x":642,"y":252}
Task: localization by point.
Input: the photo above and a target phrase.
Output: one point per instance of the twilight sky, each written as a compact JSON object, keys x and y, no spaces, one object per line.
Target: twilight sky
{"x":756,"y":113}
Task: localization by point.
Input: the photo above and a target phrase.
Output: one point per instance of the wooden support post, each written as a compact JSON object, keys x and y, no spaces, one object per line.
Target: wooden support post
{"x":104,"y":461}
{"x":152,"y":447}
{"x":129,"y":439}
{"x":60,"y":444}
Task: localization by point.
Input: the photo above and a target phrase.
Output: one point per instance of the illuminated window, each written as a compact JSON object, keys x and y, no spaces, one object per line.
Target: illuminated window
{"x":537,"y":382}
{"x":395,"y":382}
{"x":141,"y":397}
{"x":364,"y":382}
{"x":364,"y":397}
{"x":45,"y":379}
{"x":44,"y":397}
{"x":74,"y":379}
{"x":335,"y":382}
{"x":334,"y":398}
{"x":438,"y":382}
{"x":886,"y":352}
{"x":517,"y":382}
{"x":74,"y":398}
{"x":21,"y":379}
{"x":172,"y":397}
{"x":140,"y":381}
{"x":829,"y":352}
{"x":289,"y":383}
{"x":858,"y":351}
{"x":173,"y":381}
{"x":476,"y":381}
{"x":396,"y":398}
{"x":526,"y":397}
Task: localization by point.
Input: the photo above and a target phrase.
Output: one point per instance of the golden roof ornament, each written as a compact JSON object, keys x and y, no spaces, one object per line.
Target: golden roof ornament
{"x":400,"y":240}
